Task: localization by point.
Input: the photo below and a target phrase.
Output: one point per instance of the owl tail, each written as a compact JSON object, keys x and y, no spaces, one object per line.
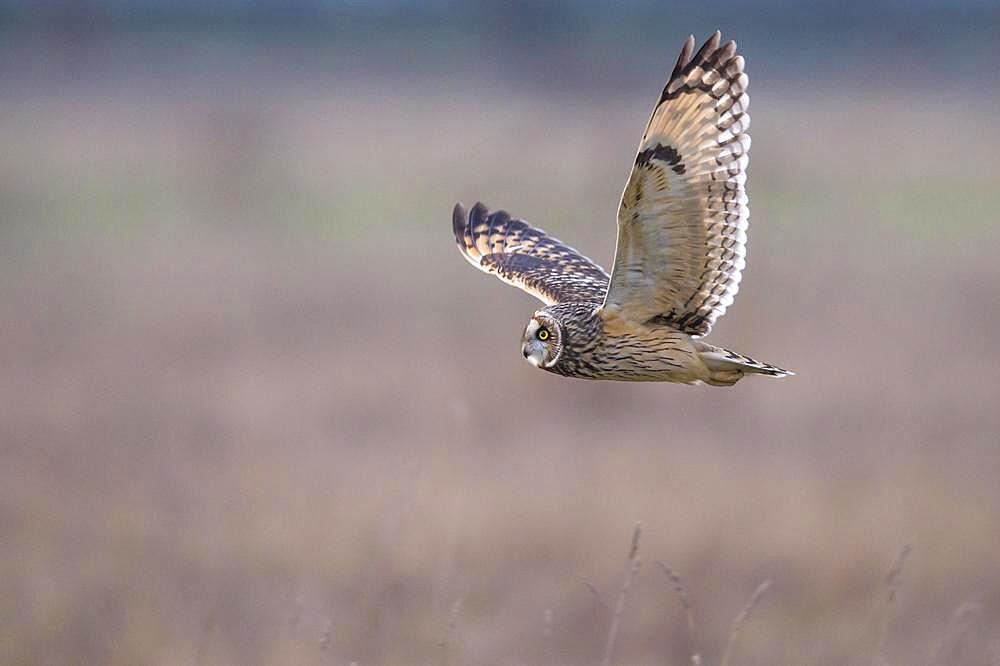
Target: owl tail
{"x":728,"y":367}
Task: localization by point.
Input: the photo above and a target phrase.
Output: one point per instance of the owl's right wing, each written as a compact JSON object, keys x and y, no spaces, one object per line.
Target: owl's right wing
{"x":526,"y":257}
{"x":683,"y":215}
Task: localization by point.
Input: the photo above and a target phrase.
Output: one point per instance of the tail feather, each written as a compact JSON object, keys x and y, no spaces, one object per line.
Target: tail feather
{"x":727,"y":366}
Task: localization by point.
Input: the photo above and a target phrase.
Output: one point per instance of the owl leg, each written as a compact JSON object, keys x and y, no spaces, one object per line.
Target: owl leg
{"x":724,"y":377}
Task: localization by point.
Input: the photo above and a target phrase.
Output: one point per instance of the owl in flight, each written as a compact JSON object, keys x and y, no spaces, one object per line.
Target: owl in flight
{"x":682,"y":227}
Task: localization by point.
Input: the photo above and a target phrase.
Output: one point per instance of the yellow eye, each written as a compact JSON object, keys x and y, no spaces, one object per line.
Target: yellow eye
{"x":543,"y":334}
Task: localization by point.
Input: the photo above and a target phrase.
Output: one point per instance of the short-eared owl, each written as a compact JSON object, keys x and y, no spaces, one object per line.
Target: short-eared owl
{"x":681,"y":245}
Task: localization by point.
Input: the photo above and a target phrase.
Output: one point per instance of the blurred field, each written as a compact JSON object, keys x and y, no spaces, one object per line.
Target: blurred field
{"x":256,"y":409}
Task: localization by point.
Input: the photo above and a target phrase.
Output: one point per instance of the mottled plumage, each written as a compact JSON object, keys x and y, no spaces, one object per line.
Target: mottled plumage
{"x":681,"y":244}
{"x":526,"y":257}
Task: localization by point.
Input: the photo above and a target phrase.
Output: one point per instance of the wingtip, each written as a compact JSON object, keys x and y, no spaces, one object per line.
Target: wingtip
{"x":478,"y":214}
{"x":685,"y":55}
{"x":710,"y":46}
{"x":458,"y":218}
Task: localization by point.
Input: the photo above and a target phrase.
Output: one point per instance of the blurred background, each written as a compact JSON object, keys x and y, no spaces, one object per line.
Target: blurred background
{"x":255,"y":408}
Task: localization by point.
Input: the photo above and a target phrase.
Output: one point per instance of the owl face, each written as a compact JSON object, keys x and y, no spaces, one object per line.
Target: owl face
{"x":542,"y":343}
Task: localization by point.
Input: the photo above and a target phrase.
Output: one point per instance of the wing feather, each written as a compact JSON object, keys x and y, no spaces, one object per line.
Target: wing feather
{"x":683,"y":215}
{"x":526,"y":257}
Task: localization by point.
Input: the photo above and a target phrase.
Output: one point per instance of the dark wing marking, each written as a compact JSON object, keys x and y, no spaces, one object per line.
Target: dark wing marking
{"x":683,"y":216}
{"x":526,"y":257}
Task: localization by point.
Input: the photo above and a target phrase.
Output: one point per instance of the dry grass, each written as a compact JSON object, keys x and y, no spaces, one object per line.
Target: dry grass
{"x":634,"y":563}
{"x":685,"y":600}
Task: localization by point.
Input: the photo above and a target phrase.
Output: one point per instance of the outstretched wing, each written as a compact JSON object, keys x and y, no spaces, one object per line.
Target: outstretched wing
{"x":683,"y":215}
{"x":526,"y":257}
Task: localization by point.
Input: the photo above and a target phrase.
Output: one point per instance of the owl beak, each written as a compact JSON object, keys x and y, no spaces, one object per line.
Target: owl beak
{"x":532,"y":358}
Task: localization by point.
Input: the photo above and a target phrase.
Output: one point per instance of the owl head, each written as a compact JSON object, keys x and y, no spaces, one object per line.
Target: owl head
{"x":542,"y":342}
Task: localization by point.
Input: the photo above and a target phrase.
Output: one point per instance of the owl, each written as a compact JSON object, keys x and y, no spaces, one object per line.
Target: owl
{"x":682,"y":225}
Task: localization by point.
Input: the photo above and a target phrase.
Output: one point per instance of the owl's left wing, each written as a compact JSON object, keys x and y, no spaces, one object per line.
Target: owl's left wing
{"x":683,"y":215}
{"x":526,"y":257}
